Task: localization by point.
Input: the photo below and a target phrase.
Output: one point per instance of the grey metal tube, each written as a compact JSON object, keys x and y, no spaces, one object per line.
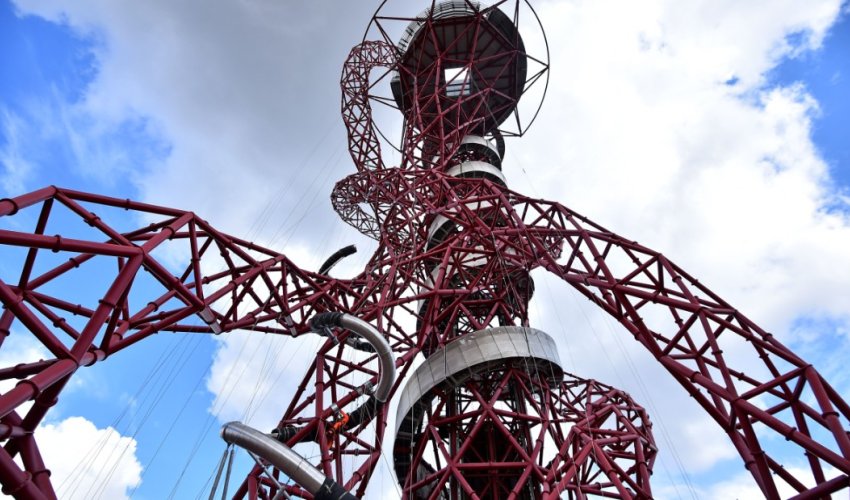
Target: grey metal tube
{"x":218,"y":474}
{"x":371,"y":334}
{"x":227,"y":477}
{"x":278,"y":454}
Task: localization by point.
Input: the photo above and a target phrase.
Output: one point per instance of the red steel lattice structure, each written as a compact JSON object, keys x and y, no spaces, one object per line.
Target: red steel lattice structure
{"x":450,"y":281}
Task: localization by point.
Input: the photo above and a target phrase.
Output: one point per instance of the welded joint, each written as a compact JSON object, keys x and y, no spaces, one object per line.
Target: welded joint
{"x":208,"y":317}
{"x":287,"y":321}
{"x":12,"y":431}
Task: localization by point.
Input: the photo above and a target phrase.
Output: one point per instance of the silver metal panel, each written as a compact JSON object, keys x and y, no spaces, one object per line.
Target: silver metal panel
{"x":441,"y":220}
{"x":484,"y":169}
{"x":477,"y":139}
{"x":443,"y":10}
{"x":278,"y":454}
{"x":474,"y":352}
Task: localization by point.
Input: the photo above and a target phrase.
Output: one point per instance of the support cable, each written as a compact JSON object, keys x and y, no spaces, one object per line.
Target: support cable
{"x":71,"y":481}
{"x":220,"y":470}
{"x":227,"y":477}
{"x":159,"y":393}
{"x":256,"y":229}
{"x":656,"y":415}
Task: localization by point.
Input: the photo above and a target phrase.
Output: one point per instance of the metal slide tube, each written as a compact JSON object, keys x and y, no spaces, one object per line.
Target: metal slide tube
{"x":286,"y":460}
{"x":371,"y":335}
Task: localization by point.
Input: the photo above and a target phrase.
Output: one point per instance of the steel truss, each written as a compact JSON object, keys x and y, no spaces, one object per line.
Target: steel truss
{"x":455,"y":250}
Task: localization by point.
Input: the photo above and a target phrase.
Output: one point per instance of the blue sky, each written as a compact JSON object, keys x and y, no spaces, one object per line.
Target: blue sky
{"x":47,"y":71}
{"x":83,"y":104}
{"x":826,"y":75}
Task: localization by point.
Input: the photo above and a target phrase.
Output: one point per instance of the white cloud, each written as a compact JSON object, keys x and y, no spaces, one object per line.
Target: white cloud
{"x":87,"y":462}
{"x":20,"y":348}
{"x":726,"y":181}
{"x":253,"y":376}
{"x":640,"y":132}
{"x":14,"y":167}
{"x":222,"y":85}
{"x":742,"y":486}
{"x":49,"y":130}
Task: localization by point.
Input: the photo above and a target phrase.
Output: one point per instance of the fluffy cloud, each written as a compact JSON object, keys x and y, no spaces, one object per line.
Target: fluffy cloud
{"x":653,"y":143}
{"x":20,"y":348}
{"x":255,"y":376}
{"x":660,"y":123}
{"x":741,"y":487}
{"x":221,"y":86}
{"x":14,"y":168}
{"x":661,"y":126}
{"x":104,"y":464}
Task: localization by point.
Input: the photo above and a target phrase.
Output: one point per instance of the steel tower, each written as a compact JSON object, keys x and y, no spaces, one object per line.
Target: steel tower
{"x":483,"y":407}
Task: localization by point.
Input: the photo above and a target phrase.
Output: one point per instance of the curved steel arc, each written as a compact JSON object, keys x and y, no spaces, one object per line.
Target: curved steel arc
{"x":694,"y":334}
{"x":455,"y":249}
{"x":363,"y":139}
{"x":227,"y":282}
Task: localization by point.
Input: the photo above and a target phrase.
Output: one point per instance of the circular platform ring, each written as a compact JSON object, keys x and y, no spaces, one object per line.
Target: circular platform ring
{"x":479,"y":148}
{"x":478,"y":170}
{"x":477,"y":352}
{"x":480,"y":59}
{"x":442,"y":226}
{"x":466,"y":357}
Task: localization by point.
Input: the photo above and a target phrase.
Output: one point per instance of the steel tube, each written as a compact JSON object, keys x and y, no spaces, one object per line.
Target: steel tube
{"x":32,"y":387}
{"x":371,"y":334}
{"x":278,"y":454}
{"x":286,"y":460}
{"x":10,"y":206}
{"x":58,"y":243}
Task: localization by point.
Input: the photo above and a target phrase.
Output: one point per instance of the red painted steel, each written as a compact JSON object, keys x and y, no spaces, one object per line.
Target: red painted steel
{"x":599,"y":441}
{"x":578,"y":437}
